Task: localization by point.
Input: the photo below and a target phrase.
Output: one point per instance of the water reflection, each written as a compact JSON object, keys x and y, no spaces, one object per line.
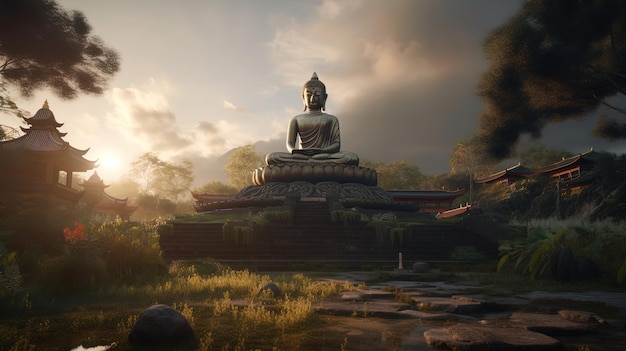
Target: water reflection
{"x":95,"y":348}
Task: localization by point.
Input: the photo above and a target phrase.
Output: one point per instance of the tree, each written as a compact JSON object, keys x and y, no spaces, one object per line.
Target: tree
{"x":161,"y":178}
{"x":468,"y":157}
{"x":241,"y":164}
{"x":217,"y":188}
{"x":42,"y":45}
{"x":553,"y":60}
{"x":145,"y":168}
{"x":172,"y":180}
{"x":396,"y":175}
{"x":538,"y":155}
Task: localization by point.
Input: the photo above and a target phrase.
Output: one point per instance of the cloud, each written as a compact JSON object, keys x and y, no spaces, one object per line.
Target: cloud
{"x":400,"y":75}
{"x":229,"y":105}
{"x":145,"y":118}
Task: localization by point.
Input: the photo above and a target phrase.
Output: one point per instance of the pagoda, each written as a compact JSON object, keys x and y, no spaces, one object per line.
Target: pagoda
{"x":102,"y":204}
{"x":38,"y":167}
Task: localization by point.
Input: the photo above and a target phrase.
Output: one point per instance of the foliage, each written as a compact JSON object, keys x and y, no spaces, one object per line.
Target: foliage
{"x":552,"y":61}
{"x":468,"y":158}
{"x":531,"y":254}
{"x":172,"y":180}
{"x":10,"y":277}
{"x":42,"y":45}
{"x":101,"y":254}
{"x":536,"y":155}
{"x":241,"y":164}
{"x":396,"y":174}
{"x":388,"y":228}
{"x":467,"y":253}
{"x":539,"y":198}
{"x":161,"y":178}
{"x":277,"y":215}
{"x":345,"y":216}
{"x":216,"y":187}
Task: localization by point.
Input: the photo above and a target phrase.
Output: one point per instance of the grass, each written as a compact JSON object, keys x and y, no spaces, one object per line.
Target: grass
{"x":227,"y":310}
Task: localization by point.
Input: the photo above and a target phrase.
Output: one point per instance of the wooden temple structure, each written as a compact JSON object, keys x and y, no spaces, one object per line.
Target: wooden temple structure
{"x":39,"y":168}
{"x":570,"y":173}
{"x":507,"y":176}
{"x":104,"y":206}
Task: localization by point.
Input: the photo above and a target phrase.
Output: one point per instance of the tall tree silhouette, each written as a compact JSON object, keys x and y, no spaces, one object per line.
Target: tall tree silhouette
{"x":42,"y":45}
{"x":553,"y":60}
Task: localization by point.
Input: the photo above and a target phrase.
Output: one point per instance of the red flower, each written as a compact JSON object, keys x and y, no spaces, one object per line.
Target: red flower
{"x":73,"y":236}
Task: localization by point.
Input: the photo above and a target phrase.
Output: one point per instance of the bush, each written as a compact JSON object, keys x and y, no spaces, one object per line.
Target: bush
{"x":76,"y":271}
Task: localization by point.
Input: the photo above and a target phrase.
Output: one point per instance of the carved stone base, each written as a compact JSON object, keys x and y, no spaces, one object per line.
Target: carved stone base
{"x":336,"y":190}
{"x":279,"y":194}
{"x":315,"y":173}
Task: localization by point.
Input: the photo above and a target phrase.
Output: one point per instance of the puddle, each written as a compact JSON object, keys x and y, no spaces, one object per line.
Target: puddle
{"x":94,"y":348}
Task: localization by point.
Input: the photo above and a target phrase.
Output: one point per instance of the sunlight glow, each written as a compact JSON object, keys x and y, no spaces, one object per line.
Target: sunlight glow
{"x":110,"y":162}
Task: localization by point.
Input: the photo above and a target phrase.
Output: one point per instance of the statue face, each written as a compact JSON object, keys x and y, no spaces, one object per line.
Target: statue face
{"x":314,"y":98}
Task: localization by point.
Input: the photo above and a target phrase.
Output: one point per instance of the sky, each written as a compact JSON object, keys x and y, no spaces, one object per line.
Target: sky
{"x":200,"y":78}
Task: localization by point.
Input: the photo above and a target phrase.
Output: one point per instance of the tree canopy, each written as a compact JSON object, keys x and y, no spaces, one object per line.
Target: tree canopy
{"x":162,"y":178}
{"x":397,"y":174}
{"x":553,"y":60}
{"x":42,"y":45}
{"x":241,"y":164}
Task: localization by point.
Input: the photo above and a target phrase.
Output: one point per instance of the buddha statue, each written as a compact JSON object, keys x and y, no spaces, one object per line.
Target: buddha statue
{"x":317,"y":132}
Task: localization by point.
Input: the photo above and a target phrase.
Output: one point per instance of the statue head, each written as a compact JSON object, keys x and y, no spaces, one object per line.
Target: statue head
{"x":314,"y":94}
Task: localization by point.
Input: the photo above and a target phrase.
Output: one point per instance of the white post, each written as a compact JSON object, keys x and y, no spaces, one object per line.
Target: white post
{"x":400,"y":260}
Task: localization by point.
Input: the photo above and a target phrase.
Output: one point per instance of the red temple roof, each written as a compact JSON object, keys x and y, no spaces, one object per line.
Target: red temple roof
{"x":515,"y":172}
{"x":587,"y":157}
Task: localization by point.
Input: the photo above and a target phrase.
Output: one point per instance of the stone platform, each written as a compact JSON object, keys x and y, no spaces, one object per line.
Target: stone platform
{"x":346,"y":195}
{"x":458,"y":317}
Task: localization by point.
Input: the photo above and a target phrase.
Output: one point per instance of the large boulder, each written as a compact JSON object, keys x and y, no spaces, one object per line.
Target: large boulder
{"x":161,"y":324}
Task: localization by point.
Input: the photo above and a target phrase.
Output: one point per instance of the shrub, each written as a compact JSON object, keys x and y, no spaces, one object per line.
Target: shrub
{"x":532,"y":254}
{"x":76,"y":271}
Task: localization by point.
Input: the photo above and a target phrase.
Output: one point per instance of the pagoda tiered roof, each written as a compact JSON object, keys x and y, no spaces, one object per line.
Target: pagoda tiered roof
{"x":107,"y":203}
{"x":43,"y":137}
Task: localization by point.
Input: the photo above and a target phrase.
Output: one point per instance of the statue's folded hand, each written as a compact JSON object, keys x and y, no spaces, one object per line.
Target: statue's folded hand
{"x":307,"y":152}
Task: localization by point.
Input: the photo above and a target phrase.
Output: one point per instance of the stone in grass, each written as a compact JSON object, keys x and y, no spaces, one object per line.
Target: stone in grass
{"x":420,"y":267}
{"x":271,"y":287}
{"x":161,"y":324}
{"x":463,"y":337}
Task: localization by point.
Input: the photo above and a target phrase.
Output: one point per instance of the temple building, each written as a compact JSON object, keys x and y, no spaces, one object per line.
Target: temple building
{"x":573,"y":172}
{"x":507,"y":176}
{"x":427,"y":201}
{"x":104,"y":206}
{"x":570,"y":173}
{"x":38,"y":167}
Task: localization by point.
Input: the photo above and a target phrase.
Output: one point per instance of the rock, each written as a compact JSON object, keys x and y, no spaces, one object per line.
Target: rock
{"x":420,"y":267}
{"x":464,"y":337}
{"x":582,"y":317}
{"x":551,"y":324}
{"x":447,"y":304}
{"x":161,"y":324}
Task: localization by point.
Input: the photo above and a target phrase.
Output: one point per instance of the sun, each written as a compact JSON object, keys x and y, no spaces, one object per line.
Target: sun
{"x":110,"y":162}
